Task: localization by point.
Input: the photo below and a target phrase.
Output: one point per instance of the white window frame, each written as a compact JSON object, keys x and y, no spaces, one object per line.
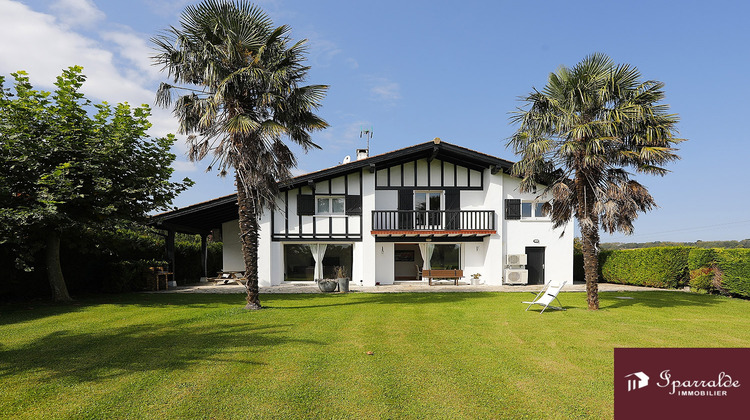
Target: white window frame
{"x":330,"y":211}
{"x":428,"y":192}
{"x":534,"y":207}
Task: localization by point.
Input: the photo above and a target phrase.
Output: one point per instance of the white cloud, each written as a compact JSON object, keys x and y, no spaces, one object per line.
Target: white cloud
{"x":135,"y":49}
{"x":77,"y":12}
{"x":384,"y":89}
{"x":343,"y":138}
{"x":184,"y":166}
{"x":322,"y":52}
{"x":44,"y":47}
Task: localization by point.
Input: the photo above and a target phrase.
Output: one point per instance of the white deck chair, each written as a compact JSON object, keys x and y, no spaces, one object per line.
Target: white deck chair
{"x":547,"y":295}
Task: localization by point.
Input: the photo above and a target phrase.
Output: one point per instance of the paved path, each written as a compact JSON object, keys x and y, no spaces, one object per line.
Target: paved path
{"x":397,"y":288}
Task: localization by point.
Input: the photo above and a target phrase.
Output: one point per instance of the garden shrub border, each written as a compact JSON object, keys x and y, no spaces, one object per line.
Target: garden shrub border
{"x":110,"y":262}
{"x":707,"y":270}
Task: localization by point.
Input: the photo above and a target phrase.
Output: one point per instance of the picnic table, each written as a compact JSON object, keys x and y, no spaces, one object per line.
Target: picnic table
{"x":230,"y":276}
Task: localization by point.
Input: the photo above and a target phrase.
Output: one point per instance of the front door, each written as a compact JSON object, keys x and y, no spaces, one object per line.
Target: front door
{"x":535,"y":264}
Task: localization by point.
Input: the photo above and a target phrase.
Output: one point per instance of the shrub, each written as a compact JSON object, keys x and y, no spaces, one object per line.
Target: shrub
{"x":700,"y":258}
{"x":107,"y":261}
{"x":725,"y":271}
{"x":188,"y":266}
{"x":734,"y":267}
{"x":655,"y":267}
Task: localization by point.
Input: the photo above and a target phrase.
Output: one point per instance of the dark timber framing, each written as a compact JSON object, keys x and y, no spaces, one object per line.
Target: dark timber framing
{"x":316,"y":235}
{"x":202,"y":217}
{"x":388,"y":185}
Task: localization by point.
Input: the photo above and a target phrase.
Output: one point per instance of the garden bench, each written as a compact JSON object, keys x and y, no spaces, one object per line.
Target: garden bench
{"x":443,"y":274}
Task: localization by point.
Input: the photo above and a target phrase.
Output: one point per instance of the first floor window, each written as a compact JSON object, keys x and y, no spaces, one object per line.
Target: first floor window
{"x":427,"y":206}
{"x":330,"y":205}
{"x":534,"y":210}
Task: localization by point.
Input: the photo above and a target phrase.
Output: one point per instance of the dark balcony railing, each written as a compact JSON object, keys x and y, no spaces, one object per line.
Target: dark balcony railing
{"x":433,"y":220}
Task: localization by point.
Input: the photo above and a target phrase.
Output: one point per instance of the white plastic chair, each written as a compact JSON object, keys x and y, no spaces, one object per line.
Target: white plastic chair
{"x":547,"y":295}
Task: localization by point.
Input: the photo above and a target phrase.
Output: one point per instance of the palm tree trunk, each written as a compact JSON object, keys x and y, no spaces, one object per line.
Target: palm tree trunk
{"x":590,"y":240}
{"x":588,"y":222}
{"x":54,"y":271}
{"x":249,"y":235}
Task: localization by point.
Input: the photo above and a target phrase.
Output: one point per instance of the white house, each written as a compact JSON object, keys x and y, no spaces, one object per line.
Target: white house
{"x":384,"y":218}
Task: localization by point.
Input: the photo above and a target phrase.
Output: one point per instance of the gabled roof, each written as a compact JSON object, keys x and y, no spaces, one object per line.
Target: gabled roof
{"x":435,"y":149}
{"x":202,"y":217}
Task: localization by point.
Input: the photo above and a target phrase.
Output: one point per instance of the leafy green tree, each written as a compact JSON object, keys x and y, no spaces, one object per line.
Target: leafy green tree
{"x":579,"y":135}
{"x":242,"y":94}
{"x":63,"y":170}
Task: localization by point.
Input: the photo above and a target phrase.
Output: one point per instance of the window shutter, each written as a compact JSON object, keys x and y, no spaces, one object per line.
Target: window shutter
{"x":452,"y":208}
{"x":353,"y":204}
{"x":305,"y":205}
{"x":512,"y":209}
{"x":406,"y":209}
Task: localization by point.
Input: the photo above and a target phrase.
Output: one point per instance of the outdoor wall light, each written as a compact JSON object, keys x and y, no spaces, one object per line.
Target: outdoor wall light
{"x":536,"y":241}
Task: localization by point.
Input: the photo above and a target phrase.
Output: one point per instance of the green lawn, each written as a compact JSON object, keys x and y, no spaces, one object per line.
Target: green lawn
{"x":436,"y":355}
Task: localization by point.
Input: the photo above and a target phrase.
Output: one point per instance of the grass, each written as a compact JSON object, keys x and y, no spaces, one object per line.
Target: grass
{"x":436,"y":355}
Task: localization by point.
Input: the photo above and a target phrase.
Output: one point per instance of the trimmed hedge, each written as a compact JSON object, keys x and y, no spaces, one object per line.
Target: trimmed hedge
{"x":655,"y":267}
{"x":725,"y":271}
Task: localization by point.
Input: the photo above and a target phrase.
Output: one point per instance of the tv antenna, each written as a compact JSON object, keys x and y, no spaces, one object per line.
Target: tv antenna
{"x":367,"y":132}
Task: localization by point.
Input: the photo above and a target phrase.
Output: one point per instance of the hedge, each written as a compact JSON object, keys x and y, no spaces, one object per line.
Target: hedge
{"x":655,"y":267}
{"x":725,"y":271}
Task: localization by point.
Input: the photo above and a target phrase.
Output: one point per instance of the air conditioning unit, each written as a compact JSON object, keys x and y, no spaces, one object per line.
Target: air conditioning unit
{"x":516,"y":276}
{"x":516,"y":259}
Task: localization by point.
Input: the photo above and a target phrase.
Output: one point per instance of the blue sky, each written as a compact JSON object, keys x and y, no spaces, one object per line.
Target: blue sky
{"x":415,"y":70}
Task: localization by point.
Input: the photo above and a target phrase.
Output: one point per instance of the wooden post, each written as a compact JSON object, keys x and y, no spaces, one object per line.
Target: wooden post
{"x":170,"y":252}
{"x":204,"y":253}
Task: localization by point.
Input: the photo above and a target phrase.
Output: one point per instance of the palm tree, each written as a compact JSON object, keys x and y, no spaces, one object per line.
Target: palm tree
{"x":241,"y":94}
{"x":580,"y":134}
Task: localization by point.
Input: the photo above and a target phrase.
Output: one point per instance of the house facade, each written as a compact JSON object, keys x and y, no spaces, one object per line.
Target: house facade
{"x":385,"y":218}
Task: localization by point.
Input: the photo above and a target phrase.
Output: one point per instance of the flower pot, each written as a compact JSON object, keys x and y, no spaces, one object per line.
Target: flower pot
{"x":343,"y":284}
{"x":327,"y":285}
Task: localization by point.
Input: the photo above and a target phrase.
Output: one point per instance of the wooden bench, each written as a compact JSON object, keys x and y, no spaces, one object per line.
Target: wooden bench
{"x":443,"y":274}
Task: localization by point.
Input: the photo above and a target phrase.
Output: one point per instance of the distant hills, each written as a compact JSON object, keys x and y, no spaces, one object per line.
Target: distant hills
{"x":745,"y":243}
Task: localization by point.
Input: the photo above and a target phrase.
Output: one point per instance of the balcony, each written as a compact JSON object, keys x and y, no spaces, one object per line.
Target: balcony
{"x":437,"y":222}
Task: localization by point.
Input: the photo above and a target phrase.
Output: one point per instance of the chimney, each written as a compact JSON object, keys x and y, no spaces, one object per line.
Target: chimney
{"x":362,"y":154}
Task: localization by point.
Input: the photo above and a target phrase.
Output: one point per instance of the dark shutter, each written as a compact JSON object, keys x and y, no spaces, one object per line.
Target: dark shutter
{"x":353,"y":204}
{"x":512,"y":209}
{"x":453,"y":209}
{"x":406,"y":209}
{"x":305,"y":205}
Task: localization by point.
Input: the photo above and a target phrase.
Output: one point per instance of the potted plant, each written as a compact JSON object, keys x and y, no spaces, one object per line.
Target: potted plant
{"x":327,"y":285}
{"x":475,"y":278}
{"x":341,"y":278}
